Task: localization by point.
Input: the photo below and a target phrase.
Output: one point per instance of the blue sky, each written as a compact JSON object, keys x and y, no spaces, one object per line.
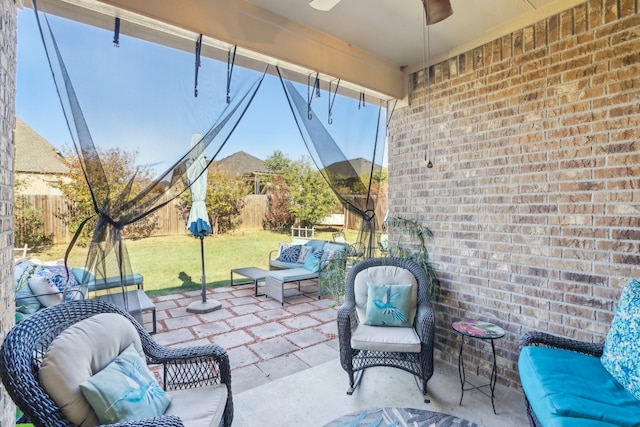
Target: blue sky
{"x":140,"y":96}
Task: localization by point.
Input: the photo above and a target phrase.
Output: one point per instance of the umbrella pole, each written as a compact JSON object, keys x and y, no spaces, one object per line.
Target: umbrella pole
{"x":204,"y":280}
{"x":203,"y":306}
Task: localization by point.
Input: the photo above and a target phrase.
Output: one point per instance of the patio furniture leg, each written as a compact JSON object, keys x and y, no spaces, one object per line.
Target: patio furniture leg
{"x":427,"y":399}
{"x":354,"y":380}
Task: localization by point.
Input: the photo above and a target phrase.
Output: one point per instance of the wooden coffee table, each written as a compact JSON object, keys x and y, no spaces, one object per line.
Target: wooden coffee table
{"x":253,"y":273}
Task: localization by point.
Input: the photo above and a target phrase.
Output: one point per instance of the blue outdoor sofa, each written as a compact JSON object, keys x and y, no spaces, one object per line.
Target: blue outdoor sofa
{"x":570,"y":383}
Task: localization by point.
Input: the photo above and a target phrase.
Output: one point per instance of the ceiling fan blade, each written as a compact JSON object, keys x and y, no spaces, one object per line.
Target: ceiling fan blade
{"x":323,"y":5}
{"x":435,"y":10}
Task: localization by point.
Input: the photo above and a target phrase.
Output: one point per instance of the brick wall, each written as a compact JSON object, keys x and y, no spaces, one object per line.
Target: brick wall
{"x":8,"y":22}
{"x":534,"y":194}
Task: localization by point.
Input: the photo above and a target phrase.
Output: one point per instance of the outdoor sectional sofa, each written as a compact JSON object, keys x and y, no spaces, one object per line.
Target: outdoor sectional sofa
{"x":570,"y":383}
{"x":297,"y":262}
{"x":39,"y":285}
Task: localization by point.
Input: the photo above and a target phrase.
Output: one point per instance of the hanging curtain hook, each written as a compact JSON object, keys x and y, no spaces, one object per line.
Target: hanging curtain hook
{"x":198,"y":50}
{"x":230,"y":62}
{"x":332,"y":98}
{"x":310,"y":90}
{"x":391,"y":113}
{"x":116,"y":33}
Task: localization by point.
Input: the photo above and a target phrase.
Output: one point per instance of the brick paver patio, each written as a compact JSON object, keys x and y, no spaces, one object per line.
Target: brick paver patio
{"x":265,"y":340}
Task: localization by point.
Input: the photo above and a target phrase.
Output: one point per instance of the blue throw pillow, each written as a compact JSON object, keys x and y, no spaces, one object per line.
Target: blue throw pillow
{"x":289,"y":254}
{"x":621,"y":355}
{"x":125,"y":390}
{"x":312,"y":263}
{"x":388,"y":305}
{"x":60,"y":277}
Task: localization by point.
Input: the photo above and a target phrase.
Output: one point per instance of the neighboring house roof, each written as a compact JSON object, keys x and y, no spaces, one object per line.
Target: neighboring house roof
{"x":241,"y":163}
{"x":35,"y":154}
{"x":345,"y":167}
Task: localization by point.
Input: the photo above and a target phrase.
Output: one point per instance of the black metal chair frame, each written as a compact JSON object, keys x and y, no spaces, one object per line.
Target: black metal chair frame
{"x":544,"y":339}
{"x":355,"y":361}
{"x":25,"y":345}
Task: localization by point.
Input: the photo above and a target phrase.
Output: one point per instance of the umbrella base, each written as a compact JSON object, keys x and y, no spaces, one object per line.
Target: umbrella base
{"x":203,"y":307}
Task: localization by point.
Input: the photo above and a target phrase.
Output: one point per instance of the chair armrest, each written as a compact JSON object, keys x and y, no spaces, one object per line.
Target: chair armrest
{"x":425,"y":323}
{"x":187,"y":367}
{"x":347,"y":322}
{"x":271,"y":254}
{"x":547,"y":340}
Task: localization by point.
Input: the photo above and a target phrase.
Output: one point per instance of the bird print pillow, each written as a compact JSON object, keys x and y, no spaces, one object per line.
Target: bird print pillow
{"x":125,"y":390}
{"x":388,"y":305}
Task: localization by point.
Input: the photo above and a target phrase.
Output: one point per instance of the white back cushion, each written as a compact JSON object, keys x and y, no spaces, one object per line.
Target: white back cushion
{"x":383,"y":275}
{"x":77,"y":353}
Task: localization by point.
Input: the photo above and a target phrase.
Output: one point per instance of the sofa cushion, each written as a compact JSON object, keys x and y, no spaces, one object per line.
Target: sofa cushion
{"x":284,"y":265}
{"x":293,"y":274}
{"x":58,"y":275}
{"x":385,"y":338}
{"x":199,"y":407}
{"x":621,"y":354}
{"x":564,"y":385}
{"x":312,"y":263}
{"x":79,"y":352}
{"x":305,"y":252}
{"x":289,"y":254}
{"x":316,"y":244}
{"x":333,"y":247}
{"x":125,"y":390}
{"x":25,"y":300}
{"x":46,"y":292}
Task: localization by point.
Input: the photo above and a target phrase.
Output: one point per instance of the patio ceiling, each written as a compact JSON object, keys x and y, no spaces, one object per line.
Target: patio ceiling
{"x":371,"y":45}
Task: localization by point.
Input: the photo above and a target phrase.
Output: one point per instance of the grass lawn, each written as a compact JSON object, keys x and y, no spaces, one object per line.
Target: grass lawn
{"x":173,"y":263}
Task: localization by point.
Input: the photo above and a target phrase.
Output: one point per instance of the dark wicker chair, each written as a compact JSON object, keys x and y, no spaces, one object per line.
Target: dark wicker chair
{"x":547,"y":340}
{"x":354,"y":361}
{"x":27,"y":342}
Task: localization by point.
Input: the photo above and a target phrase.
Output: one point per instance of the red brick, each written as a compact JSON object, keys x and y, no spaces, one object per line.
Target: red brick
{"x":534,"y":197}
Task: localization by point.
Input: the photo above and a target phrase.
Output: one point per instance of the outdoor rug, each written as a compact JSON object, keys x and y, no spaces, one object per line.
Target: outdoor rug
{"x":399,"y":417}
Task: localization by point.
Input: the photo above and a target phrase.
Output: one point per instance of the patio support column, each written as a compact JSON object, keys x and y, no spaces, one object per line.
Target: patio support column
{"x":8,"y":37}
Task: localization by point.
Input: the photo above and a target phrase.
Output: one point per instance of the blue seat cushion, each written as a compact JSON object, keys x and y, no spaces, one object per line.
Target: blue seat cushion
{"x":293,"y":275}
{"x":567,"y":388}
{"x":282,"y":264}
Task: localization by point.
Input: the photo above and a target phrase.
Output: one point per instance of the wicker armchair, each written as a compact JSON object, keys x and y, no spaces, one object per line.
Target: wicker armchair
{"x":356,"y":357}
{"x":543,"y":339}
{"x":26,"y":344}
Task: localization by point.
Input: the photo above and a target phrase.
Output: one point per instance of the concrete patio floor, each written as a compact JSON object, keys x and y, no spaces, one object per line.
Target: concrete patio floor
{"x":275,"y":350}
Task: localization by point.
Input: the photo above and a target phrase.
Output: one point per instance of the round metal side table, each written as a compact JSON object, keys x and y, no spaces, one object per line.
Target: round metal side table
{"x":484,"y":331}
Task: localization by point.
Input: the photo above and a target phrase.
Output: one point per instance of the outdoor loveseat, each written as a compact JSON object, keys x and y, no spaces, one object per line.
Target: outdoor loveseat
{"x":570,"y":383}
{"x":298,"y":262}
{"x":85,"y":363}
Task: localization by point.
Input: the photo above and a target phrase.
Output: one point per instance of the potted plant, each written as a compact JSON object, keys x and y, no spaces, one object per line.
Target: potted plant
{"x":332,"y":277}
{"x":416,"y":250}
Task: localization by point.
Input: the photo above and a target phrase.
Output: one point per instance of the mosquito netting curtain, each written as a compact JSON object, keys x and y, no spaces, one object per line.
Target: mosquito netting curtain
{"x":157,"y":106}
{"x":346,"y":140}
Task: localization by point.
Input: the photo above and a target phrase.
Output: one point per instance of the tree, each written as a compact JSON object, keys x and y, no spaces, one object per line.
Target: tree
{"x":278,"y":217}
{"x":119,"y":167}
{"x":311,"y":198}
{"x":224,"y":200}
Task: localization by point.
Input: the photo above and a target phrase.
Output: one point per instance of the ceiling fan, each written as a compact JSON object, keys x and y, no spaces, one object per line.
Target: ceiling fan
{"x":435,"y":10}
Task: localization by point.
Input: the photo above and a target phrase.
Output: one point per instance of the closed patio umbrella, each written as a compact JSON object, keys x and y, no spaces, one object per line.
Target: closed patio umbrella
{"x":198,"y":222}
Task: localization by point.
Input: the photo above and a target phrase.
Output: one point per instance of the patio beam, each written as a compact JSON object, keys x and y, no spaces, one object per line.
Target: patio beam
{"x":261,"y":36}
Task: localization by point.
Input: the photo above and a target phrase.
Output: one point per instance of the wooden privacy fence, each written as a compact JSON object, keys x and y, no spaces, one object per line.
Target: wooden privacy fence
{"x":169,"y":219}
